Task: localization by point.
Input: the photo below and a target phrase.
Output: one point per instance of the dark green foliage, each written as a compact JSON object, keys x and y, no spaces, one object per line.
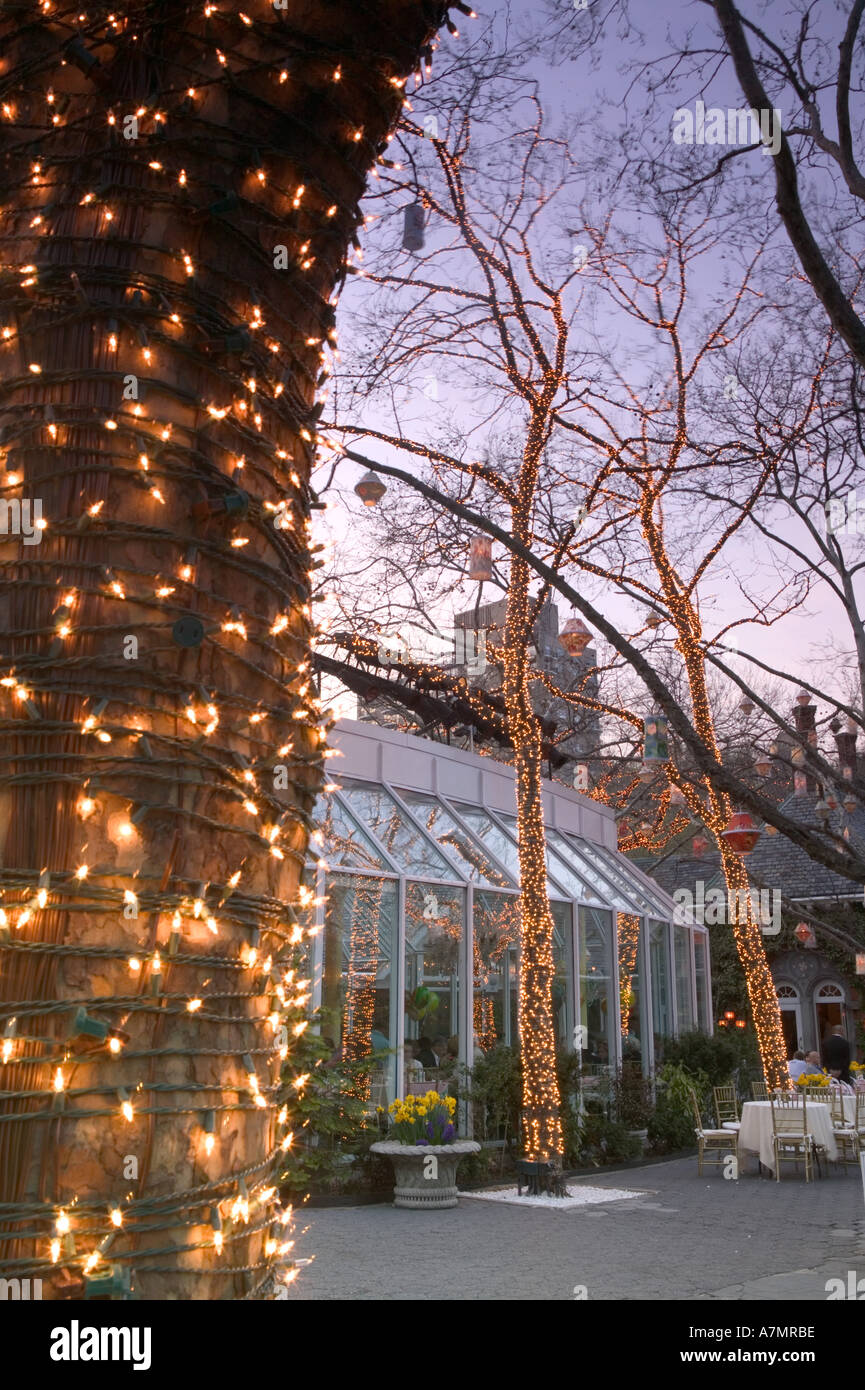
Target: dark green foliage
{"x":495,"y":1092}
{"x":332,"y":1129}
{"x":672,"y":1125}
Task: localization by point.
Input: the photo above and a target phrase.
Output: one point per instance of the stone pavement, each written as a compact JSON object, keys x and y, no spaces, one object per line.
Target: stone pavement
{"x":689,"y":1238}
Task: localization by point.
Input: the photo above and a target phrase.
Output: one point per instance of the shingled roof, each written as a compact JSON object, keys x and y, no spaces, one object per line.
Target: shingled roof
{"x":776,"y":863}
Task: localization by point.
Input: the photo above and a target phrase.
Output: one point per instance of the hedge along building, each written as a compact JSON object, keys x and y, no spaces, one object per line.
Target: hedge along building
{"x":417,"y":921}
{"x":181,"y":185}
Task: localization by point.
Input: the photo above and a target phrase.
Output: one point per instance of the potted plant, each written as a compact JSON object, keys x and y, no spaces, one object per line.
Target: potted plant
{"x":424,"y":1151}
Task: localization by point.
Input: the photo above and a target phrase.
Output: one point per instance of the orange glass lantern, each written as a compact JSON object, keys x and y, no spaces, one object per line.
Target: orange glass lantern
{"x":741,"y":834}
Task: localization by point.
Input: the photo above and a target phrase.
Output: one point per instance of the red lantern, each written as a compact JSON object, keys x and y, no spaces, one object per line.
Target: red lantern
{"x":805,"y":934}
{"x":730,"y":1014}
{"x":741,"y":1023}
{"x":481,"y":558}
{"x":741,"y":834}
{"x":370,"y":490}
{"x":575,"y":637}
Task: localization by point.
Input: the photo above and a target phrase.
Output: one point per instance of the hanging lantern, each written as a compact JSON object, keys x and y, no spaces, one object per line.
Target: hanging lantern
{"x":481,"y":558}
{"x":741,"y":1023}
{"x":741,"y":834}
{"x":746,"y":706}
{"x":370,"y":490}
{"x":762,"y":765}
{"x":575,"y":637}
{"x":653,"y":621}
{"x":413,"y":227}
{"x":729,"y":1015}
{"x":805,"y":935}
{"x":656,"y":747}
{"x":699,"y":845}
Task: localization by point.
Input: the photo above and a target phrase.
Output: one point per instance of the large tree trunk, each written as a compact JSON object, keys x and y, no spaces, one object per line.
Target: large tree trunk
{"x":176,"y":298}
{"x":542,"y":1125}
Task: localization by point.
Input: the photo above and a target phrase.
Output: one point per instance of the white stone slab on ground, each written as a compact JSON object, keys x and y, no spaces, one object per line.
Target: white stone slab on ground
{"x":578,"y":1197}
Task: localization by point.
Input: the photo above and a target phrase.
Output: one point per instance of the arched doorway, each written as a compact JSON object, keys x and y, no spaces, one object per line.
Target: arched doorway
{"x":791,"y":1017}
{"x":830,"y":1009}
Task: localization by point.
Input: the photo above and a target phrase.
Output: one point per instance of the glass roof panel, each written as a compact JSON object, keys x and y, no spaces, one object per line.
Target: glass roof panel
{"x":340,"y":840}
{"x":460,"y":847}
{"x":399,"y":836}
{"x":502,"y":845}
{"x":611,"y":889}
{"x":615,"y":872}
{"x":647,"y":890}
{"x":585,"y":887}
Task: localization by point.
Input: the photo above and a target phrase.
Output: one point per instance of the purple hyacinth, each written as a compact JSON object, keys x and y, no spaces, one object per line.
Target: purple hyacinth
{"x":448,"y":1132}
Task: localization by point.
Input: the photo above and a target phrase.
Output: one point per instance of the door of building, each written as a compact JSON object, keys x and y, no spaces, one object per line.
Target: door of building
{"x":791,"y":1018}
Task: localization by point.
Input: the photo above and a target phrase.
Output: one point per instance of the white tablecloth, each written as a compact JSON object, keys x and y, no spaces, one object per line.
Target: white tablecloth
{"x":755,"y":1133}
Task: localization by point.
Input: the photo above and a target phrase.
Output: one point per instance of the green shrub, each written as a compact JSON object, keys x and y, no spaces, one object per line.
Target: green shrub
{"x":672,"y":1125}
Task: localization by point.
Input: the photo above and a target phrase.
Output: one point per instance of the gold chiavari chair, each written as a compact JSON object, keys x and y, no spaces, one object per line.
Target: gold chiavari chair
{"x":791,"y":1140}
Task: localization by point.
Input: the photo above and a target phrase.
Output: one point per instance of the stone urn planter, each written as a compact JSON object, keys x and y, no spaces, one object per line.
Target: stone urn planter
{"x":420,"y":1183}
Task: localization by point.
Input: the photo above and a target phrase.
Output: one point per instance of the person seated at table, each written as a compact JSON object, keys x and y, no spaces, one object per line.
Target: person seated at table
{"x":815,"y":1066}
{"x":797,"y":1066}
{"x":425,"y":1054}
{"x":839,"y":1082}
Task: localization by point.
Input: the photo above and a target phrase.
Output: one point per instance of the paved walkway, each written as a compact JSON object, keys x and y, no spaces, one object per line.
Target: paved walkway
{"x":687,"y":1238}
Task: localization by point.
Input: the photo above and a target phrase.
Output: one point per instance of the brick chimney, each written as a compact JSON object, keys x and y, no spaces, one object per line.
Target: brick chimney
{"x":805,"y":719}
{"x":846,"y":745}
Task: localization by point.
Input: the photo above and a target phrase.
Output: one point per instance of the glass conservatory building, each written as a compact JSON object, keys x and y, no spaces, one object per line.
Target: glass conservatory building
{"x":415,"y":872}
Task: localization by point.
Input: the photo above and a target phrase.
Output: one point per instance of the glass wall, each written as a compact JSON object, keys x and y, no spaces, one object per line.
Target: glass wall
{"x":358,"y":1012}
{"x":434,"y":929}
{"x":662,"y":1006}
{"x":598,"y":1005}
{"x":416,"y":964}
{"x":701,"y":979}
{"x":496,"y":971}
{"x":682,"y":956}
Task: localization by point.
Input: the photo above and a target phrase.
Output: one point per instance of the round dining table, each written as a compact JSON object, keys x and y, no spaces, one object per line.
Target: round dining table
{"x":756,"y":1133}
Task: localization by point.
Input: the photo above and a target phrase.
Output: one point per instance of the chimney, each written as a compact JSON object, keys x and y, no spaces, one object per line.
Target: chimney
{"x":846,"y":745}
{"x":805,"y":719}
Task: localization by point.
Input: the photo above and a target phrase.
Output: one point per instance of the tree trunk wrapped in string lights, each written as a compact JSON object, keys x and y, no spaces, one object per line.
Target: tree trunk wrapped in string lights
{"x":181,"y":184}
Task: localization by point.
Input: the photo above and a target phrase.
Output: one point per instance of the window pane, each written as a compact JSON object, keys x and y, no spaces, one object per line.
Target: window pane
{"x":460,"y":847}
{"x":357,"y":1001}
{"x":340,"y":841}
{"x":400,"y":837}
{"x":612,"y":886}
{"x":496,"y":954}
{"x":701,"y":979}
{"x":662,"y":1016}
{"x":434,"y":924}
{"x":684,"y":1006}
{"x":628,"y":934}
{"x":563,"y":1017}
{"x":597,"y":1006}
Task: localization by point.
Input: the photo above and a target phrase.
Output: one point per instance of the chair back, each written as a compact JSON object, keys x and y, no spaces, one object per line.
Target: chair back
{"x":860,"y":1111}
{"x":759,"y":1090}
{"x":695,"y":1106}
{"x":818,"y":1093}
{"x":726,"y":1104}
{"x":789,"y":1116}
{"x":836,"y":1100}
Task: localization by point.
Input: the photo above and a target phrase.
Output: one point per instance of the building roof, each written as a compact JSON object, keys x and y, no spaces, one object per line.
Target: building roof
{"x":777,"y":863}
